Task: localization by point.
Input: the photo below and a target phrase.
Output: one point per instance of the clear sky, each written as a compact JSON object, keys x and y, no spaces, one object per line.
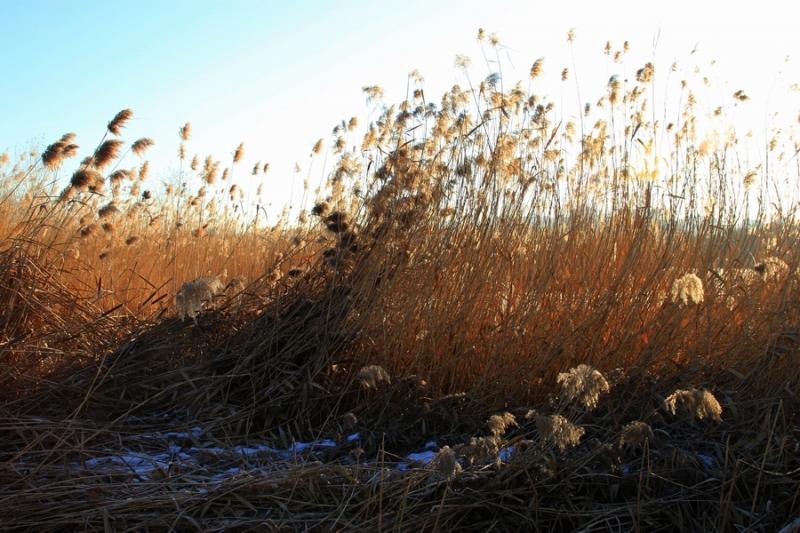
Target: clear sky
{"x":279,"y":75}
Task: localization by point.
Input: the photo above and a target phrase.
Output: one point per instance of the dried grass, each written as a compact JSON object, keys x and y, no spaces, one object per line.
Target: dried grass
{"x":469,"y":273}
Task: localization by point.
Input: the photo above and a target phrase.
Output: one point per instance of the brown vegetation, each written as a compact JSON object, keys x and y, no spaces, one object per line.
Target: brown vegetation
{"x":485,"y":275}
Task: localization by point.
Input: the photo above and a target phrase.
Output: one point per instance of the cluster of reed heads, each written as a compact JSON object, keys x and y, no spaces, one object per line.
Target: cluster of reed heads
{"x":600,"y":290}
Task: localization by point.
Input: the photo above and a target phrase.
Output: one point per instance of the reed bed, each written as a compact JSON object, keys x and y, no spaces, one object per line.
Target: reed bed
{"x":494,"y":317}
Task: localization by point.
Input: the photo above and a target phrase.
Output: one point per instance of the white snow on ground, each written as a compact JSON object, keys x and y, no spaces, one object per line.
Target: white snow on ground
{"x":215,"y":461}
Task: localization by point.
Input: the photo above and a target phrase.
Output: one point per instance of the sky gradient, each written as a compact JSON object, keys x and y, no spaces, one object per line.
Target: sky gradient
{"x":279,"y":75}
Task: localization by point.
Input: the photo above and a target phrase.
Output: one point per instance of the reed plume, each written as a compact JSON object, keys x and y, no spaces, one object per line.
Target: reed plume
{"x":559,"y":431}
{"x":107,"y":152}
{"x":687,"y":289}
{"x":118,"y":122}
{"x":192,"y":294}
{"x":140,"y":146}
{"x":699,"y":403}
{"x":584,"y":385}
{"x":372,"y":376}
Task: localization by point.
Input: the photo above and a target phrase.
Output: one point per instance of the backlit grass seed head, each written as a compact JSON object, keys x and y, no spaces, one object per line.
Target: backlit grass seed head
{"x":239,"y":153}
{"x":237,"y":284}
{"x":771,"y":268}
{"x":336,"y":222}
{"x":189,"y":299}
{"x":185,"y":132}
{"x":119,"y":175}
{"x":140,"y":147}
{"x":256,"y":169}
{"x":118,"y":122}
{"x":687,"y":289}
{"x":144,"y":170}
{"x":84,"y":178}
{"x":108,"y":211}
{"x":582,"y":384}
{"x":498,"y":423}
{"x":445,"y":463}
{"x":645,"y":74}
{"x":700,"y":403}
{"x":372,"y":376}
{"x":88,"y":231}
{"x":559,"y":431}
{"x":349,"y":420}
{"x":373,"y":92}
{"x":55,"y":154}
{"x":482,"y":450}
{"x":107,"y":152}
{"x":636,"y":433}
{"x":537,"y":68}
{"x":195,"y":163}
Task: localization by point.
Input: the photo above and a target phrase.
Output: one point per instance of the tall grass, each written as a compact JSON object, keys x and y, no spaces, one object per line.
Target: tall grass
{"x":613,"y":296}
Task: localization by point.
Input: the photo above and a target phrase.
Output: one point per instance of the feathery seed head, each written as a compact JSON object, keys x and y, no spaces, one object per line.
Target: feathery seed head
{"x":239,"y":153}
{"x":119,"y":175}
{"x":84,"y":178}
{"x":107,"y":211}
{"x":192,"y":294}
{"x":498,"y":423}
{"x":185,"y":132}
{"x":687,"y":289}
{"x":54,"y":154}
{"x":445,"y":463}
{"x":237,"y":284}
{"x":700,"y":403}
{"x":256,"y":168}
{"x":463,"y":62}
{"x":336,"y":222}
{"x":118,"y":122}
{"x":645,"y":74}
{"x":349,"y":420}
{"x":558,"y":430}
{"x":482,"y":450}
{"x":107,"y":152}
{"x":771,"y":268}
{"x":636,"y":433}
{"x":372,"y":376}
{"x":582,"y":384}
{"x":140,"y":147}
{"x":537,"y":68}
{"x":571,"y":35}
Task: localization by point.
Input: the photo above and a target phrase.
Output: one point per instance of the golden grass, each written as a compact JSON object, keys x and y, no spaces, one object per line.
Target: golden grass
{"x":538,"y":300}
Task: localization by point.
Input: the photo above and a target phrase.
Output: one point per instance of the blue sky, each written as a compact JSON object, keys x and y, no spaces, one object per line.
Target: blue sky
{"x":279,"y":75}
